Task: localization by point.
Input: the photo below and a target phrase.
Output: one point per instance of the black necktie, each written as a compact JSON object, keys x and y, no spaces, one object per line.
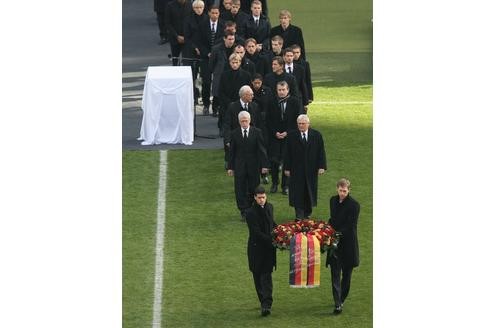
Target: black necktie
{"x":212,"y":40}
{"x":290,"y":70}
{"x":257,"y":22}
{"x":245,"y":133}
{"x":282,"y":110}
{"x":246,"y":108}
{"x":304,"y":137}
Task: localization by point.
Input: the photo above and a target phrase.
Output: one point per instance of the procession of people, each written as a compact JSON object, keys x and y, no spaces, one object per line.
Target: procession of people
{"x":256,"y":80}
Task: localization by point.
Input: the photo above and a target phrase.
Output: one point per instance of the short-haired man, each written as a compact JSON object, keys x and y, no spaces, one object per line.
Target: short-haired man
{"x":176,"y":13}
{"x":247,"y":156}
{"x":290,"y":33}
{"x":344,"y":213}
{"x":277,"y":44}
{"x":282,"y":119}
{"x":257,"y":26}
{"x":298,"y":72}
{"x":219,"y":59}
{"x":296,"y":49}
{"x":210,"y":30}
{"x":304,"y":160}
{"x":278,"y":74}
{"x":246,"y":64}
{"x":262,"y":256}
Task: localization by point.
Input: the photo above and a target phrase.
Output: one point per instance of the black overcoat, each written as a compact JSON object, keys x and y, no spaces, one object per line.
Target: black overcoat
{"x":344,"y":218}
{"x":303,"y":161}
{"x":292,"y":35}
{"x":231,"y":120}
{"x":247,"y":157}
{"x":230,"y":83}
{"x":262,"y":255}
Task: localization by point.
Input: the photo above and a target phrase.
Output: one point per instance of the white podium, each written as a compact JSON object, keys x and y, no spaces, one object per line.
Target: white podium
{"x":168,"y":106}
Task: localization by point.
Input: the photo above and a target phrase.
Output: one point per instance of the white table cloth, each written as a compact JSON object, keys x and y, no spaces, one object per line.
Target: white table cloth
{"x":168,"y":106}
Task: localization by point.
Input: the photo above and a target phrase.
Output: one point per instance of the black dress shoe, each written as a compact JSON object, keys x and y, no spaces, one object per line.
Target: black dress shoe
{"x":274,"y":188}
{"x":265,"y":312}
{"x":285,"y":191}
{"x":337,"y":310}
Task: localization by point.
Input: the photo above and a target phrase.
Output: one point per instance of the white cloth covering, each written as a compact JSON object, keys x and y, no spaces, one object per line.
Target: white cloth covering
{"x":168,"y":106}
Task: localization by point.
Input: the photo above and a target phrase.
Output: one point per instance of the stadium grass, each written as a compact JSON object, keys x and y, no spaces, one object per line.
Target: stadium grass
{"x":206,"y":279}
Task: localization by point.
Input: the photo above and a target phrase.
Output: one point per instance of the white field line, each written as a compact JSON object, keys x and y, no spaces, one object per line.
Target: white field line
{"x":160,"y":232}
{"x":342,"y":102}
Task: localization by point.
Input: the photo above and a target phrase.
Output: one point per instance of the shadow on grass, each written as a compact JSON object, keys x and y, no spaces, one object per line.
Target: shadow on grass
{"x":341,"y":68}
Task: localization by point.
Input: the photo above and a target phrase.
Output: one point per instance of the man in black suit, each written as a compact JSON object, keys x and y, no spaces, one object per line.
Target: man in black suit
{"x":246,"y":64}
{"x":231,"y":121}
{"x":344,"y":213}
{"x":210,"y":30}
{"x":277,"y":44}
{"x":298,"y":72}
{"x":278,"y":74}
{"x":176,"y":13}
{"x":159,"y":8}
{"x":304,"y":160}
{"x":246,"y":7}
{"x":257,"y":26}
{"x":219,"y":62}
{"x":262,"y":256}
{"x":247,"y":156}
{"x":296,"y":49}
{"x":282,"y":119}
{"x":290,"y":33}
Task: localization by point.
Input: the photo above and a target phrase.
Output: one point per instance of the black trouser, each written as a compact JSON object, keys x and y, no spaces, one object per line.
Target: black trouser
{"x":341,"y":279}
{"x":278,"y":149}
{"x":307,"y":209}
{"x":176,"y":49}
{"x":206,"y":82}
{"x":160,"y":17}
{"x":264,"y":287}
{"x":244,"y":186}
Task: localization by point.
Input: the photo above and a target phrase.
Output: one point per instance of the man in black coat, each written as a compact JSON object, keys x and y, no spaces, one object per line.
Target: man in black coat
{"x":307,"y":70}
{"x":262,"y":256}
{"x":246,"y":6}
{"x":231,"y":121}
{"x":247,"y":156}
{"x":210,"y":30}
{"x":290,"y":33}
{"x":236,"y":15}
{"x":175,"y":16}
{"x":231,"y":81}
{"x":282,"y":119}
{"x":344,"y":213}
{"x":278,"y":74}
{"x":297,"y":71}
{"x":159,"y":8}
{"x":257,"y":26}
{"x":304,"y":160}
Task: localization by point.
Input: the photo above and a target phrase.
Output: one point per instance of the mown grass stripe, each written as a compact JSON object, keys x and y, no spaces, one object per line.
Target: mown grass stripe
{"x":160,"y":232}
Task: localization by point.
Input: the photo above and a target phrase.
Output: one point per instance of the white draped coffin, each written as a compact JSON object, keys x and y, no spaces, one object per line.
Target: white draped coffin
{"x":168,"y":106}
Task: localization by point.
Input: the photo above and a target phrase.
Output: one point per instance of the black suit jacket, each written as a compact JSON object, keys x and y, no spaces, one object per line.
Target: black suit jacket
{"x":286,"y":122}
{"x":307,"y":77}
{"x":204,"y":36}
{"x":271,"y":80}
{"x":176,"y":15}
{"x":231,"y":120}
{"x":344,"y":218}
{"x":247,"y":156}
{"x":260,"y":33}
{"x":262,"y":255}
{"x":292,"y":35}
{"x":299,"y":74}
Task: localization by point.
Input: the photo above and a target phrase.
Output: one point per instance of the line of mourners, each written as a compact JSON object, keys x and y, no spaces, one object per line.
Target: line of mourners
{"x":245,"y":64}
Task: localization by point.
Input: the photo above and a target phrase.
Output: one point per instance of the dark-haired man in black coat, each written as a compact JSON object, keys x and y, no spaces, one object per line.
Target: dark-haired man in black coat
{"x":282,"y":118}
{"x":344,"y":213}
{"x":159,"y":8}
{"x":176,"y":13}
{"x":262,"y":254}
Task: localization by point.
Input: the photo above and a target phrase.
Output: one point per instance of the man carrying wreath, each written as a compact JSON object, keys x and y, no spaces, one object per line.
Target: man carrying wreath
{"x":262,"y":256}
{"x":344,"y":212}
